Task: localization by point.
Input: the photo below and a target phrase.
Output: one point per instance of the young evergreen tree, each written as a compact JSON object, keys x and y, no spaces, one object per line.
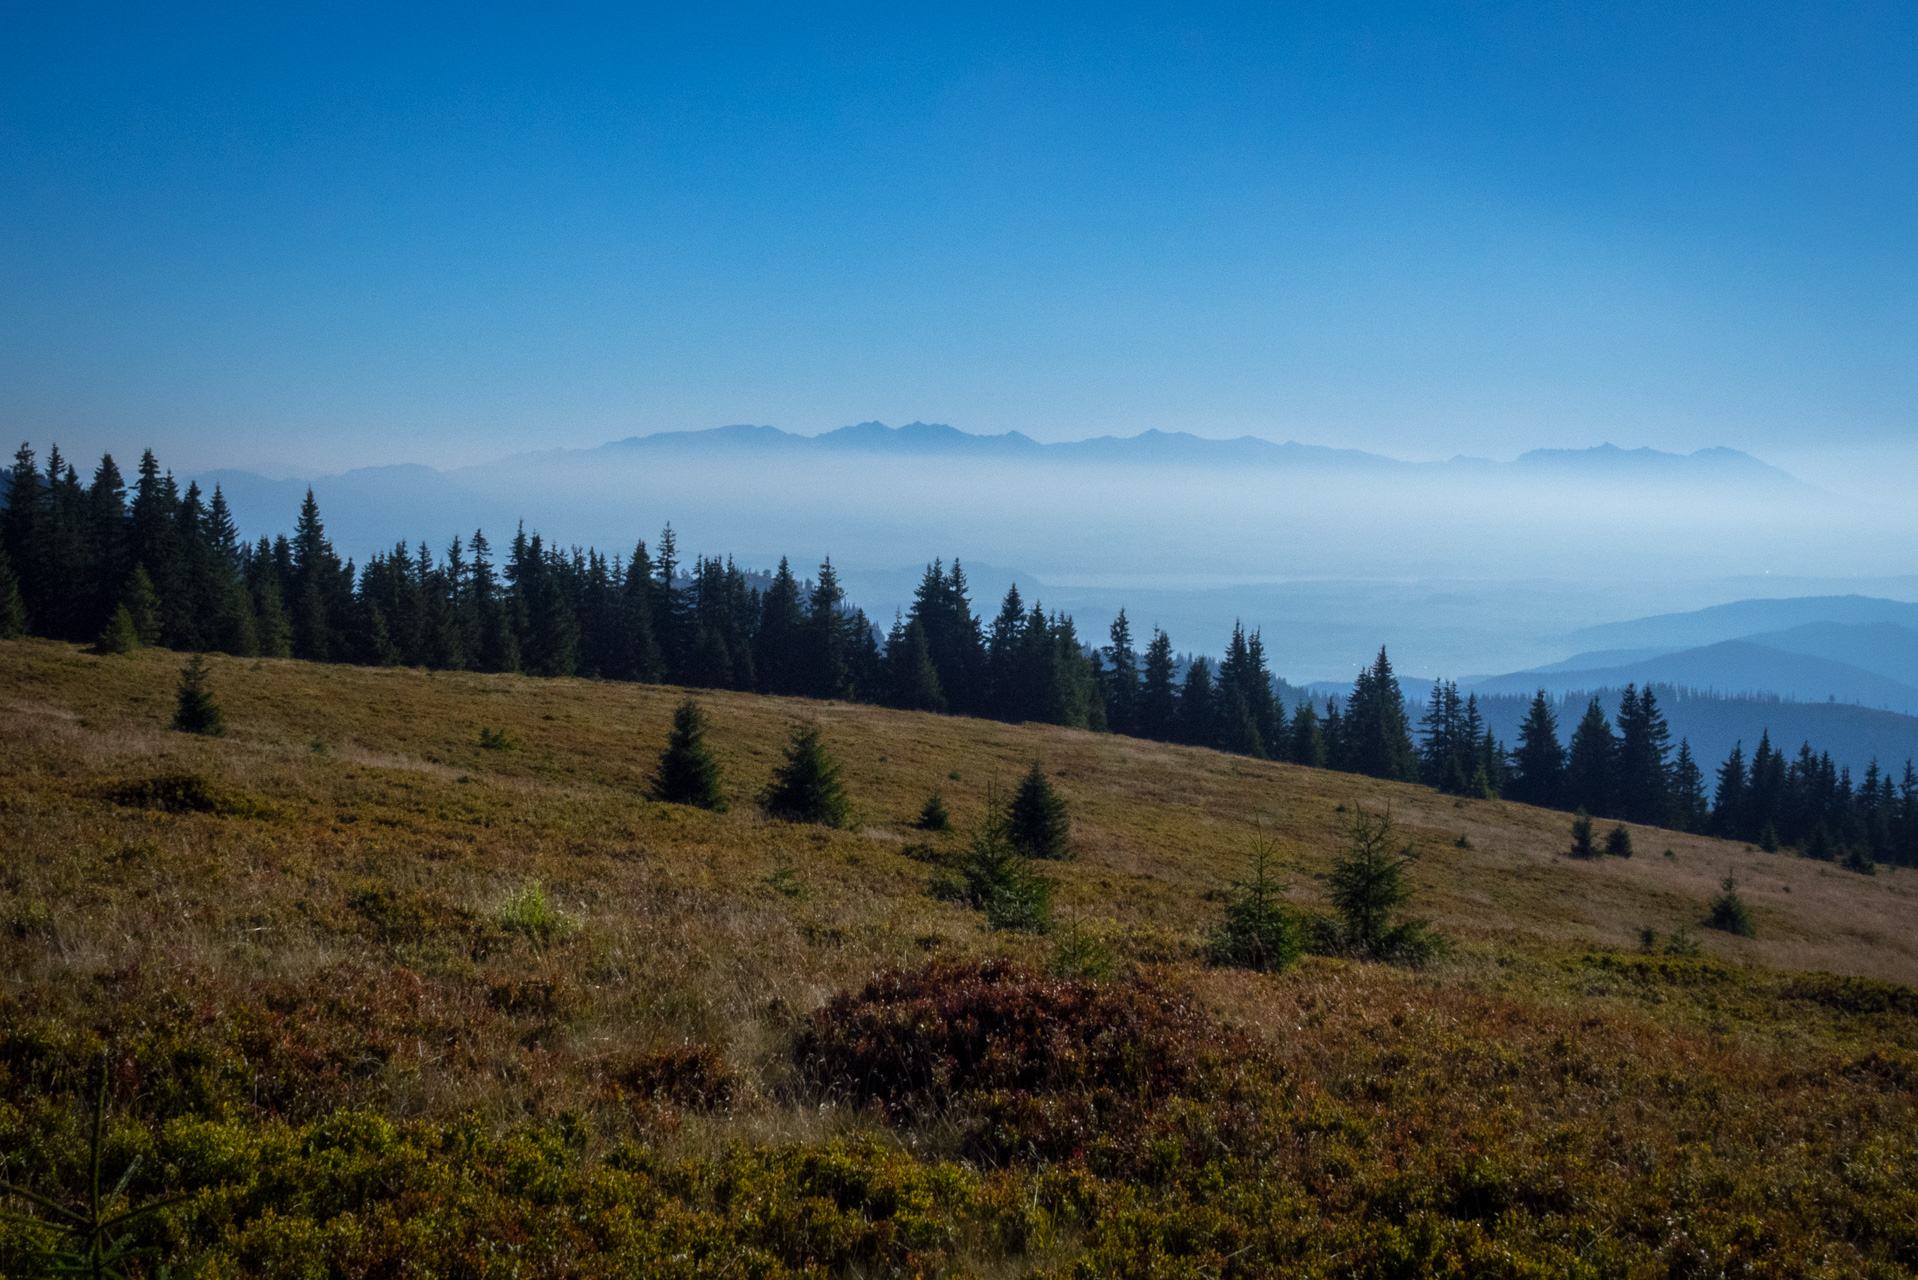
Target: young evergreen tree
{"x":1368,"y":885}
{"x":806,"y":787}
{"x":120,"y":635}
{"x":687,"y":772}
{"x":996,"y":879}
{"x":194,"y":710}
{"x":142,"y":605}
{"x":1258,"y":932}
{"x":1618,"y":842}
{"x":1036,"y":821}
{"x":1582,"y":846}
{"x":1158,"y":693}
{"x":1729,"y":912}
{"x":933,"y":815}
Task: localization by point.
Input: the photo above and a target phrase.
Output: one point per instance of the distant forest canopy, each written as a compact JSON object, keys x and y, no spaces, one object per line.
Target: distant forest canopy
{"x":95,"y":563}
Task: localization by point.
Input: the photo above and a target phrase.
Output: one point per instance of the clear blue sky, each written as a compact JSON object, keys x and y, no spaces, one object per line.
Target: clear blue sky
{"x":253,"y":236}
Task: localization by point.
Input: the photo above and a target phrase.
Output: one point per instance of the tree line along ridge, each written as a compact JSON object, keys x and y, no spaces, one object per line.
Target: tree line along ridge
{"x":120,"y":566}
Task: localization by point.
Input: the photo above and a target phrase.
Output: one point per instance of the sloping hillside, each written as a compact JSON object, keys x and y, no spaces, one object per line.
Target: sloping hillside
{"x":370,"y":990}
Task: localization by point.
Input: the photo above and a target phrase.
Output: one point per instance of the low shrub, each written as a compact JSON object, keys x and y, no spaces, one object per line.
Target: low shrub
{"x":1030,"y":1065}
{"x":693,"y":1076}
{"x":190,"y":793}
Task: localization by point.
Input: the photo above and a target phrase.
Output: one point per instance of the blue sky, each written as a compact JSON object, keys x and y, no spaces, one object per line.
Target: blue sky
{"x":258,"y":236}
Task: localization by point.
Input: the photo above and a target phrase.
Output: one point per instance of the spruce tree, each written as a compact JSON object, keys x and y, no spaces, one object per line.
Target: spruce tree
{"x":195,"y":711}
{"x":913,"y":680}
{"x":1729,"y":911}
{"x":1306,"y":737}
{"x":1618,"y":842}
{"x":806,"y":787}
{"x":1121,"y":678}
{"x":1258,"y":932}
{"x":1036,"y":821}
{"x":1377,"y":734}
{"x":13,"y":612}
{"x":1590,"y":766}
{"x":1689,"y":808}
{"x":996,"y":879}
{"x":1197,"y":713}
{"x":933,"y":815}
{"x":1582,"y":846}
{"x":1158,"y":695}
{"x":1538,"y":766}
{"x":1368,"y":885}
{"x":120,"y":635}
{"x":142,"y":606}
{"x":687,"y":772}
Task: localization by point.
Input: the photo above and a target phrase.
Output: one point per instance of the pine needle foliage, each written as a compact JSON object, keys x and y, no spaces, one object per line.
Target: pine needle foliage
{"x":687,"y":773}
{"x":1618,"y":842}
{"x":1037,"y":822}
{"x":995,"y":878}
{"x":98,"y":1239}
{"x":807,"y":787}
{"x":1729,"y":911}
{"x":933,"y":815}
{"x":1582,"y":846}
{"x":1258,"y":932}
{"x":195,"y":711}
{"x":120,"y":635}
{"x":1368,"y":885}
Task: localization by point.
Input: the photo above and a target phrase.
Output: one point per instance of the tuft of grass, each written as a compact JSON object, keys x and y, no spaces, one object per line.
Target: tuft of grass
{"x":530,"y":913}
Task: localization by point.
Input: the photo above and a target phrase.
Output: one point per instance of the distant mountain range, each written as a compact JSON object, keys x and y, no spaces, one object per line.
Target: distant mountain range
{"x":1163,"y":448}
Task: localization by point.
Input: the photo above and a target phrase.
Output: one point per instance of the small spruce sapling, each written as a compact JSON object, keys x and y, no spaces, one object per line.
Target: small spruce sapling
{"x":1582,"y":836}
{"x":687,"y":773}
{"x":933,"y":815}
{"x":806,"y":787}
{"x":995,"y":878}
{"x":1729,"y":911}
{"x":195,"y":710}
{"x":120,"y":636}
{"x":1368,"y":885}
{"x":1037,"y":822}
{"x":1618,"y":842}
{"x":1768,"y":839}
{"x":1258,"y":932}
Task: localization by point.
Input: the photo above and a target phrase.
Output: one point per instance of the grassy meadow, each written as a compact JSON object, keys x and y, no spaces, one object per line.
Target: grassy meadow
{"x":405,"y":975}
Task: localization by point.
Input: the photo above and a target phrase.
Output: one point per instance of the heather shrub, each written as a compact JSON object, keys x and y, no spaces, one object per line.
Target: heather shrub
{"x":1032,"y":1066}
{"x":693,"y":1076}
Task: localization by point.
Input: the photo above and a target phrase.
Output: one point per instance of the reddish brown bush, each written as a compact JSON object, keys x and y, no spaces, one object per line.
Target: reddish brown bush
{"x":694,"y":1076}
{"x":1039,"y":1066}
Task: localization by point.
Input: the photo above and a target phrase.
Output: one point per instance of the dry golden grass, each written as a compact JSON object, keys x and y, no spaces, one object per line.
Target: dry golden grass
{"x":334,"y":930}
